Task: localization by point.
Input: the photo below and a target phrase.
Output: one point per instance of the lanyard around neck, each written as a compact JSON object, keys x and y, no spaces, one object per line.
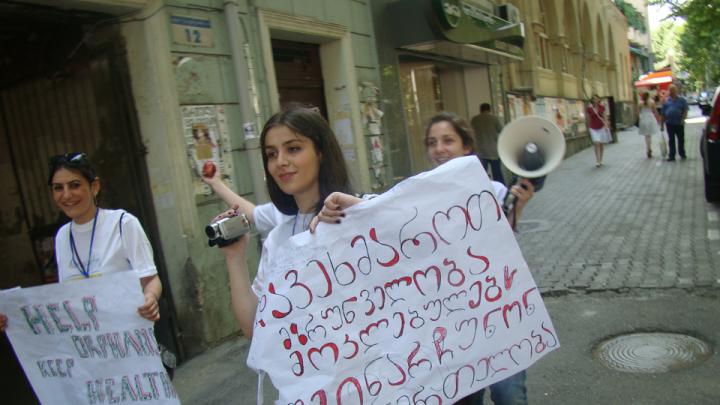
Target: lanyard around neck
{"x":75,"y":256}
{"x":303,"y":226}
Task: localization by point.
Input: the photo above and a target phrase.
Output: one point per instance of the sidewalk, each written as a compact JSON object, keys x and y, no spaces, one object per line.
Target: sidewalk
{"x":619,"y":248}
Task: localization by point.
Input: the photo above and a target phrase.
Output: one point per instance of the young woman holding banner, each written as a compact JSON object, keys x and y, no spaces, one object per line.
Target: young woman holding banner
{"x":96,"y":240}
{"x":448,"y":137}
{"x":303,"y":166}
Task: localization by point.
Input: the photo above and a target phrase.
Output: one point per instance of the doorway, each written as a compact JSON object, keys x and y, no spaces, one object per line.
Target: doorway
{"x":299,"y":74}
{"x":63,"y":89}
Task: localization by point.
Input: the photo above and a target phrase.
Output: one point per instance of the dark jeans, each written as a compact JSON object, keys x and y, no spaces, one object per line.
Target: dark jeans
{"x":496,"y":169}
{"x":679,"y":132}
{"x":510,"y":391}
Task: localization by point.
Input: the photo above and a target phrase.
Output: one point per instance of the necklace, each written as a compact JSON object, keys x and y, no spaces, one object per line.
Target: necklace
{"x":75,"y":256}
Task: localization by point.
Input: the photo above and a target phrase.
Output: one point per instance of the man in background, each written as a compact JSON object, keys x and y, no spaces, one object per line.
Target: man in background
{"x":487,"y":128}
{"x":674,"y":112}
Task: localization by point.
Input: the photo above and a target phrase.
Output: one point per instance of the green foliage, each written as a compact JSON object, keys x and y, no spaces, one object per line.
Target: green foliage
{"x":666,"y":43}
{"x":700,"y":39}
{"x":634,"y":18}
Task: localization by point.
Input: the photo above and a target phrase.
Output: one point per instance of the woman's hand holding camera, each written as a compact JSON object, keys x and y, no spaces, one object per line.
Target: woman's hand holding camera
{"x":237,"y":248}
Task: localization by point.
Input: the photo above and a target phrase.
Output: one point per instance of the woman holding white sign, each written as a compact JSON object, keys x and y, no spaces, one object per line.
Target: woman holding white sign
{"x":303,"y":165}
{"x":97,"y":241}
{"x":448,"y":137}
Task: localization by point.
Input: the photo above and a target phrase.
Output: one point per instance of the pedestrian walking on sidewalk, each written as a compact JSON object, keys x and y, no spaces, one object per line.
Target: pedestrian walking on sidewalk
{"x":599,"y":128}
{"x":487,"y":128}
{"x":674,"y":113}
{"x":648,"y":124}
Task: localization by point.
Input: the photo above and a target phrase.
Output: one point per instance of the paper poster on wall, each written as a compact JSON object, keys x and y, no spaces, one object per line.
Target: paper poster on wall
{"x":343,"y":131}
{"x":412,"y":298}
{"x":83,"y":342}
{"x":206,"y":137}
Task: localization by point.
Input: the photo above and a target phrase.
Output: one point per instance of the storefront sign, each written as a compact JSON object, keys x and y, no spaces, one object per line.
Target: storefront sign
{"x":474,"y":22}
{"x":191,"y":31}
{"x":479,"y":11}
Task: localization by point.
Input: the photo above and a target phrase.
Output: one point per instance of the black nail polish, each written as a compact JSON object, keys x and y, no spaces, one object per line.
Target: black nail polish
{"x":337,"y":221}
{"x":342,"y":215}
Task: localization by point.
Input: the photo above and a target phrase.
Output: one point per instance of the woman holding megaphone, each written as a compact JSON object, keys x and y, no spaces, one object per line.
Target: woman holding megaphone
{"x":448,"y":137}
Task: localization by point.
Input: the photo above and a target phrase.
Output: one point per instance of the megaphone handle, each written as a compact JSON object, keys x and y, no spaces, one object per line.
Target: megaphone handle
{"x":509,"y":209}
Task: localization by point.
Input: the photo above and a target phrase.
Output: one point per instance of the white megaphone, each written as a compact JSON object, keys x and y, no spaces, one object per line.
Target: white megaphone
{"x":531,"y":147}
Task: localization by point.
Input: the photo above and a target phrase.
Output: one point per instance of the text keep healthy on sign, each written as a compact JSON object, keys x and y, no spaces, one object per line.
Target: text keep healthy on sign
{"x":83,"y":342}
{"x":421,"y":294}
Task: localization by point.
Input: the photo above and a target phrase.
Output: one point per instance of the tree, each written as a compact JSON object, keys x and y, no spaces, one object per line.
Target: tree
{"x":634,"y":18}
{"x":666,"y":44}
{"x":700,"y":39}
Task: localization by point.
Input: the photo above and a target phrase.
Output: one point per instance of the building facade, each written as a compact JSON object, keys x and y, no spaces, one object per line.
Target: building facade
{"x":151,"y":90}
{"x":640,"y":41}
{"x":565,"y":51}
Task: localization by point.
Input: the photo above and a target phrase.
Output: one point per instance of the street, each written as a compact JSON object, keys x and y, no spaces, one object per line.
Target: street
{"x":628,"y":247}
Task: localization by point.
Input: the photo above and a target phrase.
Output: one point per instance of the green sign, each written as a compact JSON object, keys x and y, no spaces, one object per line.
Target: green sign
{"x":473,"y":22}
{"x":479,"y":12}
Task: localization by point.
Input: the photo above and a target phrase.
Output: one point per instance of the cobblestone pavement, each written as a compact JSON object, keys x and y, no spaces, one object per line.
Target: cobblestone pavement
{"x":633,"y":223}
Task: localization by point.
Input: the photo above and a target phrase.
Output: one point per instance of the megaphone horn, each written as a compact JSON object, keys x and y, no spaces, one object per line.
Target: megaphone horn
{"x":531,"y":146}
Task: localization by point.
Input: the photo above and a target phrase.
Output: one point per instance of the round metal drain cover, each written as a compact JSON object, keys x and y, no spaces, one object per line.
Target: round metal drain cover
{"x":652,"y":352}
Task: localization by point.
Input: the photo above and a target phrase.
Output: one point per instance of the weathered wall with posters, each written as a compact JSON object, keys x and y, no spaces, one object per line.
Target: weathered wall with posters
{"x":189,"y":111}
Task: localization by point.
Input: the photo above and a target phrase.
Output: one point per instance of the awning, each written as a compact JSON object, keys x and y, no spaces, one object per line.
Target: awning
{"x":655,"y":79}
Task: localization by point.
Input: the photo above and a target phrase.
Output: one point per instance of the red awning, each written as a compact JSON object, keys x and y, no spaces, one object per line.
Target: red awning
{"x":655,"y":79}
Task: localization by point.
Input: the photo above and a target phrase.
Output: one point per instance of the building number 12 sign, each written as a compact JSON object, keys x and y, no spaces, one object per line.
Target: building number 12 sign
{"x":191,"y":31}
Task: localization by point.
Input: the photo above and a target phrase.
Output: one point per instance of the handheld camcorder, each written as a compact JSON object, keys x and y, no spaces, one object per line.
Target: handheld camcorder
{"x":227,"y":230}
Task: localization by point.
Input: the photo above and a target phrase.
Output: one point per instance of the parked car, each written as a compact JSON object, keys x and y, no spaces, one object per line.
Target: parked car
{"x":710,"y":148}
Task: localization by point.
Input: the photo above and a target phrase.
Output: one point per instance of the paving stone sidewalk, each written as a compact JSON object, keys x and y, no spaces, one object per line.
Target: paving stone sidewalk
{"x":633,"y":223}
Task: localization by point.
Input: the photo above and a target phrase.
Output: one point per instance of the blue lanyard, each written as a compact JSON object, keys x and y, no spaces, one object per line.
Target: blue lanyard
{"x":303,"y":226}
{"x":76,"y":257}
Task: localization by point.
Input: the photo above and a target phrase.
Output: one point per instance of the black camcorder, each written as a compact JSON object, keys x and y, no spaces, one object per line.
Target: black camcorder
{"x":227,"y":230}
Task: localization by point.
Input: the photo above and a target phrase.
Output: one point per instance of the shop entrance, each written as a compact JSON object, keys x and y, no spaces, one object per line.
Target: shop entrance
{"x":63,"y":89}
{"x":430,"y":86}
{"x":299,"y":74}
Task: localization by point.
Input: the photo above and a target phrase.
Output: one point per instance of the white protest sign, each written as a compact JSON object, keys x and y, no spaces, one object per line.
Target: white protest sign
{"x":84,"y":343}
{"x":421,"y":294}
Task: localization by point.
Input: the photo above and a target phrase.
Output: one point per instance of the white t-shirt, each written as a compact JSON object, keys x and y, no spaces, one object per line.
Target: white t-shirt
{"x":110,"y":252}
{"x":500,"y":191}
{"x":266,"y":217}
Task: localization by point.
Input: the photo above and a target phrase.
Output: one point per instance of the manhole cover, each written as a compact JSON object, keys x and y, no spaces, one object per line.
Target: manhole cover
{"x":652,"y":352}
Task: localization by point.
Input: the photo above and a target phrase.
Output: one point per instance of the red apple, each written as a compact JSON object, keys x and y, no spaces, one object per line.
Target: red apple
{"x":209,"y":169}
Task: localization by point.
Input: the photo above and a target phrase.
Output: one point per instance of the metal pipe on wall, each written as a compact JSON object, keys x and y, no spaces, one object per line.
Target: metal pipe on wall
{"x":239,"y":46}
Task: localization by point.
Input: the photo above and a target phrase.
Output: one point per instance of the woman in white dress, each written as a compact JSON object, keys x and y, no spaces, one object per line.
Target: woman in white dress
{"x":648,"y":124}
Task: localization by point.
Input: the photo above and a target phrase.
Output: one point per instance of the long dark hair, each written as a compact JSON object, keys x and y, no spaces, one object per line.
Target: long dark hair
{"x":459,"y":125}
{"x":332,"y":176}
{"x":645,"y":96}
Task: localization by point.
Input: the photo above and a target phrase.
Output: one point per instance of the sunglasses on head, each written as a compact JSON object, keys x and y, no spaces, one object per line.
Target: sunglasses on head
{"x":72,"y":158}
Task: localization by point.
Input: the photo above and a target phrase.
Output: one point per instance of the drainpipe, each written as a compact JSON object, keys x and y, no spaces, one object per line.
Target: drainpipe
{"x":241,"y":69}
